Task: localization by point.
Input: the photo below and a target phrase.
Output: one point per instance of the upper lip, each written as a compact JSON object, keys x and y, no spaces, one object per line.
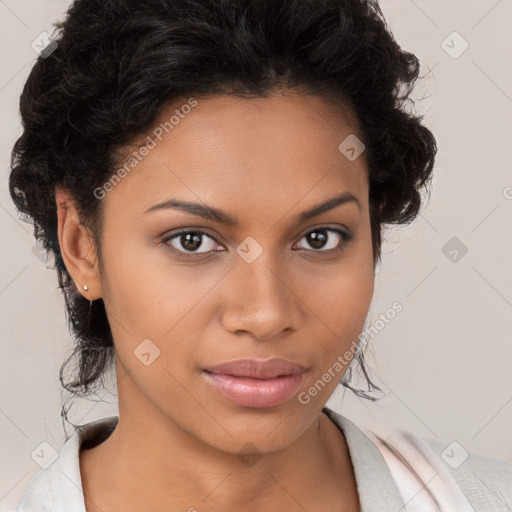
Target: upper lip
{"x":257,"y":368}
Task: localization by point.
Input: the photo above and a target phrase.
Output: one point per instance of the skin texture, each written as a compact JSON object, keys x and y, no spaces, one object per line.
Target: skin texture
{"x":263,"y":161}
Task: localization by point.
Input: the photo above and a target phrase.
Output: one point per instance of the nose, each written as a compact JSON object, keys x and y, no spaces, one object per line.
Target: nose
{"x":260,"y":300}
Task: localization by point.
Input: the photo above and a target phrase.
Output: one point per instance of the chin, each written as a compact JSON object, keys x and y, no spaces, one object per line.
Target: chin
{"x":266,"y":429}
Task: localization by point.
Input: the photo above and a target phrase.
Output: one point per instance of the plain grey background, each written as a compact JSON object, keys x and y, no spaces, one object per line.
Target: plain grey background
{"x":444,"y":361}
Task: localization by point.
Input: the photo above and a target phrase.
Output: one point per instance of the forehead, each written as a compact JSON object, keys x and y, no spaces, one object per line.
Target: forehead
{"x":248,"y":155}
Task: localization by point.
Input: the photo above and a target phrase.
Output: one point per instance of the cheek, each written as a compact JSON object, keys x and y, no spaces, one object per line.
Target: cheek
{"x":342,"y":309}
{"x":149,"y":298}
{"x":341,"y":303}
{"x":344,"y":290}
{"x":140,"y":289}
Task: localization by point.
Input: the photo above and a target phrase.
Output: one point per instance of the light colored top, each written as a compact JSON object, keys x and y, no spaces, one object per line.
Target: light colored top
{"x":405,"y":473}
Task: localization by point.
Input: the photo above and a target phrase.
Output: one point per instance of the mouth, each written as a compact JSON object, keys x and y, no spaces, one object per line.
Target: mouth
{"x":255,"y":383}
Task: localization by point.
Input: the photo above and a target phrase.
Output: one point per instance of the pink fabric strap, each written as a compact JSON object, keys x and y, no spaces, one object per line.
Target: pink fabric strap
{"x":408,"y":454}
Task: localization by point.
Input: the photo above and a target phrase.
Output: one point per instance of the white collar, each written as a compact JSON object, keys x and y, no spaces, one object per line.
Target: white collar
{"x":382,"y":478}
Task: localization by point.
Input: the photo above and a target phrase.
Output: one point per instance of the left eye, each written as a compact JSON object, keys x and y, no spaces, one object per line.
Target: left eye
{"x":319,"y":239}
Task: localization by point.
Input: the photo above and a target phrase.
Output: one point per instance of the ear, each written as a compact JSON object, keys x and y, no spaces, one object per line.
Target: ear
{"x":77,"y":246}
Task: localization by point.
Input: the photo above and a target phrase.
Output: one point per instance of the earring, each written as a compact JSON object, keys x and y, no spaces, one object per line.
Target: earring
{"x":85,"y":287}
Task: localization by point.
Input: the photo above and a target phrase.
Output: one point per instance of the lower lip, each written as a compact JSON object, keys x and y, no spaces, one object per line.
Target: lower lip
{"x":255,"y":392}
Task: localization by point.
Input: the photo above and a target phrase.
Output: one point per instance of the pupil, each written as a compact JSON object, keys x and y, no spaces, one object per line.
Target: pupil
{"x":191,"y":241}
{"x":317,"y":239}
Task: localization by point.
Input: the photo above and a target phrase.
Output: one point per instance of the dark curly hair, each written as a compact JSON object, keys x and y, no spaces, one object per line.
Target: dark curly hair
{"x":116,"y":64}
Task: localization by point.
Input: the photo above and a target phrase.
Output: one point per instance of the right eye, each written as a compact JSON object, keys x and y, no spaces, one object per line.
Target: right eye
{"x":187,"y":243}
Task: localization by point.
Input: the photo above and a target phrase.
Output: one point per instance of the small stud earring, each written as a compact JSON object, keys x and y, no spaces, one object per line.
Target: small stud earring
{"x":85,"y":287}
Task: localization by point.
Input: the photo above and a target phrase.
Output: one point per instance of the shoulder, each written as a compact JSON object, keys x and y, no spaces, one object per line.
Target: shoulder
{"x":446,"y":474}
{"x":56,"y":484}
{"x":57,"y":487}
{"x":432,"y":474}
{"x":487,"y":483}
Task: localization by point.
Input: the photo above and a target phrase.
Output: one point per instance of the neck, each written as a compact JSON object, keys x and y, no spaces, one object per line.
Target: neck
{"x":153,"y":462}
{"x":134,"y":470}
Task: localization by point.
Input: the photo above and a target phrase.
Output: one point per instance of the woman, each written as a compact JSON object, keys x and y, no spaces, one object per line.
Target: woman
{"x":212,"y":179}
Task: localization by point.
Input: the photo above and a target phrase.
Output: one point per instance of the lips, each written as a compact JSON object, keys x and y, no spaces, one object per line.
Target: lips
{"x":255,"y":383}
{"x":257,"y":369}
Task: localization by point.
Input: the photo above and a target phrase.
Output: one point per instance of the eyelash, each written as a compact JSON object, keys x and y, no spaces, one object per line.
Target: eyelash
{"x":346,"y":239}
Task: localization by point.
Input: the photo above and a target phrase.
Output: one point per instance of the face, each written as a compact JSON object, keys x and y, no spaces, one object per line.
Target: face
{"x":185,"y":290}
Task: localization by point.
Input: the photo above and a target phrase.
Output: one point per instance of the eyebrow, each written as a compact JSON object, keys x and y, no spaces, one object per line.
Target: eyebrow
{"x":211,"y":213}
